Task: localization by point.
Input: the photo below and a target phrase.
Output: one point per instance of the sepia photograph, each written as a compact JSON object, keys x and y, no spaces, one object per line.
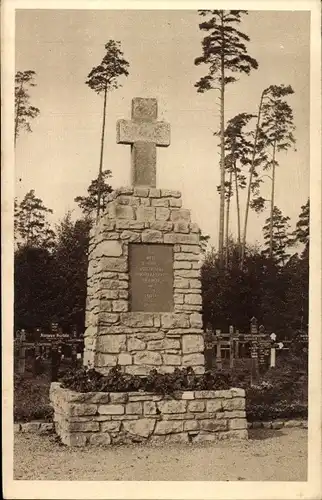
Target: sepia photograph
{"x":165,"y":244}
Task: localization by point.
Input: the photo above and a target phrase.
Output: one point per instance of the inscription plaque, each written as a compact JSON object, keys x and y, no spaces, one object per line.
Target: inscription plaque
{"x":151,"y":277}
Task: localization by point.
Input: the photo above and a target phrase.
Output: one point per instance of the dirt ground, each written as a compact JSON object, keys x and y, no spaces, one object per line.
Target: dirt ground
{"x":269,"y":455}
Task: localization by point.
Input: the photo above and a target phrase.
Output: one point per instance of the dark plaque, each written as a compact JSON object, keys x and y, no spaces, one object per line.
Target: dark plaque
{"x":151,"y":277}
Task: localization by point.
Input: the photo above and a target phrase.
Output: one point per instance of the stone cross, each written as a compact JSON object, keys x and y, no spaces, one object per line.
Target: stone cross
{"x":144,"y":133}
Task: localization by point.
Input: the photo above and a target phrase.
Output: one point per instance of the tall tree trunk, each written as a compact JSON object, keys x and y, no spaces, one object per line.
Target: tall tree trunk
{"x":101,"y":157}
{"x":17,"y":115}
{"x":237,"y":208}
{"x":227,"y":218}
{"x":251,"y":172}
{"x":222,"y":147}
{"x":272,"y":205}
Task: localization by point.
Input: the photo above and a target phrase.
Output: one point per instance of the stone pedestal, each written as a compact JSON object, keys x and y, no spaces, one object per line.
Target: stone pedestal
{"x":143,"y":306}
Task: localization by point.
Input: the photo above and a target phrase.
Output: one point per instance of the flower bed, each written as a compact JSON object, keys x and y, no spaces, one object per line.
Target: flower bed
{"x":103,"y":418}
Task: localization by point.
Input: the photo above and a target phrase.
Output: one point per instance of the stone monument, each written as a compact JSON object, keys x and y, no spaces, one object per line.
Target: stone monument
{"x":143,"y":308}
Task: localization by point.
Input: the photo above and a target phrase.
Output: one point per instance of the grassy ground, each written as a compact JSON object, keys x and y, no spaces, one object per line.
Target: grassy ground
{"x":269,"y":455}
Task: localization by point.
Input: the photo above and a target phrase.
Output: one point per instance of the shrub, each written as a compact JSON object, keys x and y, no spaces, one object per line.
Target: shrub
{"x":89,"y":380}
{"x":31,"y":399}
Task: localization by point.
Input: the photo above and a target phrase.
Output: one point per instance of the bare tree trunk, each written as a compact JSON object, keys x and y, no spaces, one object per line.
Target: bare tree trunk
{"x":238,"y":208}
{"x":251,"y":172}
{"x":272,"y":204}
{"x":17,"y":115}
{"x":222,"y":149}
{"x":101,"y":157}
{"x":227,"y":217}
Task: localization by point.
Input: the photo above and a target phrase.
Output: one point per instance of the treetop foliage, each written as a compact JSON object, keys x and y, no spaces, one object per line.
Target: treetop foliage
{"x":24,"y":111}
{"x":104,"y":77}
{"x":88,"y":204}
{"x":224,"y":47}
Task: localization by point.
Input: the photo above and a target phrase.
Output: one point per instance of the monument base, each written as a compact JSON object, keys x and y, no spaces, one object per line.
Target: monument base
{"x":99,"y":418}
{"x":144,"y":301}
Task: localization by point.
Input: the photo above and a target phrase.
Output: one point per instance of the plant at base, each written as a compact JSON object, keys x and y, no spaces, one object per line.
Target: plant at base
{"x":98,"y":191}
{"x":225,"y":53}
{"x":31,"y":224}
{"x":280,"y":226}
{"x":103,"y":79}
{"x":24,"y":112}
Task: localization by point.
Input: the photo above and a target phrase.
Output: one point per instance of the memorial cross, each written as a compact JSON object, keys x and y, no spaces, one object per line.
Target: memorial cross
{"x":143,"y":132}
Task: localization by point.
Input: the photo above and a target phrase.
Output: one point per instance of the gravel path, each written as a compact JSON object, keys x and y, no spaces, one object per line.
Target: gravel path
{"x":269,"y":455}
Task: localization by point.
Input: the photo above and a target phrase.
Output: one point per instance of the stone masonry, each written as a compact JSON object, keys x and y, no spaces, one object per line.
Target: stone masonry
{"x":139,"y":341}
{"x":119,"y":418}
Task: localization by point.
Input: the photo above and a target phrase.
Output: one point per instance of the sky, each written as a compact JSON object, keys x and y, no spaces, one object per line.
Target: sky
{"x":61,"y":155}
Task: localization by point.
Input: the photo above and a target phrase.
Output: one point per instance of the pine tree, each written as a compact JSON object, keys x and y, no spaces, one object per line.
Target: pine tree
{"x":238,"y":149}
{"x":277,"y":128}
{"x":301,"y":234}
{"x":278,"y":251}
{"x":225,"y":53}
{"x":24,"y":112}
{"x":97,"y":193}
{"x":103,"y":79}
{"x":32,"y":226}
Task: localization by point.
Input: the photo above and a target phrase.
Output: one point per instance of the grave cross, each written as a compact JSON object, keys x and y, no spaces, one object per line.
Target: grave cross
{"x":143,"y":133}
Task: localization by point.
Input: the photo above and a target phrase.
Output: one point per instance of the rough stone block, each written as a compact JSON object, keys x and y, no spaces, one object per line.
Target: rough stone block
{"x":145,"y":213}
{"x":178,"y":298}
{"x":172,"y":406}
{"x":177,"y":203}
{"x":193,"y":359}
{"x":102,"y":359}
{"x":89,"y":426}
{"x":114,"y":264}
{"x":196,"y":320}
{"x":112,"y":343}
{"x":147,"y":358}
{"x":161,"y":225}
{"x":162,"y":213}
{"x":162,"y":344}
{"x":180,"y":215}
{"x":191,"y":425}
{"x":111,"y":409}
{"x":75,"y":439}
{"x":143,"y":427}
{"x":168,"y":427}
{"x":236,"y":392}
{"x":181,"y":227}
{"x":292,"y":423}
{"x":171,"y":359}
{"x":152,"y":236}
{"x":213,"y":425}
{"x":192,"y":343}
{"x":181,"y":264}
{"x":111,"y":426}
{"x":169,"y":320}
{"x":125,"y":359}
{"x":181,"y":283}
{"x":234,"y":404}
{"x":196,"y":406}
{"x":131,"y":236}
{"x":142,"y":192}
{"x":100,"y":439}
{"x":138,"y":319}
{"x":134,"y":408}
{"x":109,"y":248}
{"x":30,"y":427}
{"x":160,"y":202}
{"x":81,"y":409}
{"x":238,"y":423}
{"x":134,"y":344}
{"x":214,"y":405}
{"x":149,"y":408}
{"x":235,"y":414}
{"x":193,"y":299}
{"x":120,"y":305}
{"x":118,"y":397}
{"x":277,"y":424}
